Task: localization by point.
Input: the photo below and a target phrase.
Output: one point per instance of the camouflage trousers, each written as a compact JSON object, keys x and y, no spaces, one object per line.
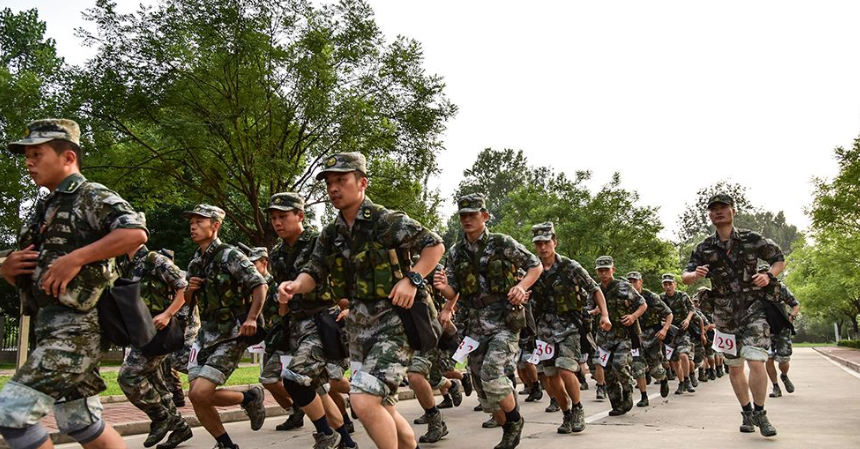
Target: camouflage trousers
{"x":780,"y":346}
{"x":498,"y":348}
{"x":650,"y":356}
{"x":683,"y":345}
{"x":190,"y":320}
{"x":142,"y":380}
{"x":379,"y":350}
{"x":61,"y":374}
{"x":428,"y":365}
{"x":305,"y":362}
{"x":698,"y":349}
{"x":564,"y":334}
{"x":753,"y":341}
{"x":619,"y":378}
{"x":218,"y":355}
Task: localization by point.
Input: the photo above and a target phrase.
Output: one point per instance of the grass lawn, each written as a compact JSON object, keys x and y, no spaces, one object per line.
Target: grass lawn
{"x":242,"y":376}
{"x":812,"y":345}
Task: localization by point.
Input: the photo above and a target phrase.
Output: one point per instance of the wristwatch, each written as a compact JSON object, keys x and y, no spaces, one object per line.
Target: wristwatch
{"x":416,"y":278}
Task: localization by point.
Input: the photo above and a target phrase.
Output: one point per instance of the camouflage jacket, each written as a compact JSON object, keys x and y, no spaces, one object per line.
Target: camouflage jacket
{"x":564,"y":287}
{"x":656,"y":313}
{"x":681,"y":306}
{"x":358,"y":260}
{"x":621,"y":299}
{"x":77,"y":213}
{"x":229,"y":267}
{"x":286,"y":261}
{"x":485,"y":269}
{"x":159,"y":277}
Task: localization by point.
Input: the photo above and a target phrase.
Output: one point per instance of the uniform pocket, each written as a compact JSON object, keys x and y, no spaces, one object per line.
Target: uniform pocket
{"x":63,"y":361}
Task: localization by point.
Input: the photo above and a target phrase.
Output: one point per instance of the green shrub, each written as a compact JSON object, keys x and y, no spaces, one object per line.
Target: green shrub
{"x":850,"y":343}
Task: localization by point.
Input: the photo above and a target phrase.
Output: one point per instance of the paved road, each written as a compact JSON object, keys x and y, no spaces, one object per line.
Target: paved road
{"x":822,"y":413}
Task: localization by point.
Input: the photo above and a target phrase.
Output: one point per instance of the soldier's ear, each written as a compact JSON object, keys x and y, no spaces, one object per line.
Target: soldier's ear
{"x":216,"y":225}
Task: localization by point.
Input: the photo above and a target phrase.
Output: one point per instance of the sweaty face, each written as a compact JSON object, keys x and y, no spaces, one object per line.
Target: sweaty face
{"x":202,"y":228}
{"x":669,"y":288}
{"x":344,"y":190}
{"x":545,"y":249}
{"x":605,"y":274}
{"x":721,"y":213}
{"x":46,"y":167}
{"x":286,"y":223}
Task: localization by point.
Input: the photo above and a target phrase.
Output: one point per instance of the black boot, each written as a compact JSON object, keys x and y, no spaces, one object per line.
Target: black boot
{"x":295,"y":421}
{"x":536,"y":394}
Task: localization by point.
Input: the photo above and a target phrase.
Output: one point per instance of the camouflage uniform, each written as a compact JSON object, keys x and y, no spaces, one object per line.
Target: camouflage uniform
{"x":780,"y":343}
{"x":140,"y":377}
{"x":361,"y":264}
{"x":621,"y":299}
{"x":62,"y":373}
{"x":558,"y":297}
{"x":483,"y":272}
{"x":433,"y":364}
{"x":735,"y":302}
{"x":189,"y":317}
{"x":681,"y":305}
{"x":222,"y":308}
{"x":694,"y":331}
{"x":651,"y":348}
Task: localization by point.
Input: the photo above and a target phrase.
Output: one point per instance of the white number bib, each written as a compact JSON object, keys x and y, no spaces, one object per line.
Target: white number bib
{"x":669,"y":351}
{"x":545,"y":351}
{"x":725,"y":343}
{"x":635,"y":352}
{"x":285,"y":362}
{"x":192,"y":355}
{"x":258,"y":348}
{"x":603,"y":356}
{"x":467,"y":346}
{"x":355,"y":367}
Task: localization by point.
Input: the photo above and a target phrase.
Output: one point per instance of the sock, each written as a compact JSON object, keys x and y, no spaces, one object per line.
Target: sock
{"x":447,"y":397}
{"x":644,"y":395}
{"x":758,"y":408}
{"x":512,"y":416}
{"x":322,"y":426}
{"x":577,"y":405}
{"x":345,"y":438}
{"x":748,"y":407}
{"x":225,"y":440}
{"x":568,"y":412}
{"x":247,"y":397}
{"x":776,"y":385}
{"x":431,"y":411}
{"x":346,"y":419}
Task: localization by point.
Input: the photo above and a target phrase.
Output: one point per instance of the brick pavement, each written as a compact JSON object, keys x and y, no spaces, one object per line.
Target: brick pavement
{"x":846,"y":356}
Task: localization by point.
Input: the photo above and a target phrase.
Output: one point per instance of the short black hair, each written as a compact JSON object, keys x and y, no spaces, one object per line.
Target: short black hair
{"x":61,"y":146}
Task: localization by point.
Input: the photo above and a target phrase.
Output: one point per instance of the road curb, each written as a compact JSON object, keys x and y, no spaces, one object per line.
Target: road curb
{"x":845,"y":362}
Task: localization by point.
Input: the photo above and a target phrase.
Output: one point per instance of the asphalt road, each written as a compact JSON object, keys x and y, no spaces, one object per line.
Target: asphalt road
{"x":822,"y":413}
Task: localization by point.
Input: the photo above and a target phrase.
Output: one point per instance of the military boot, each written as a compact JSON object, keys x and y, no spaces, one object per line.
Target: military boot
{"x":566,"y":423}
{"x":436,"y":429}
{"x":256,"y":409}
{"x":511,"y":435}
{"x":692,"y":379}
{"x":182,"y":434}
{"x":490,"y":423}
{"x":478,"y":408}
{"x":644,"y":402}
{"x":664,"y":388}
{"x":525,"y":391}
{"x":789,"y":387}
{"x":577,"y":424}
{"x":421,"y":420}
{"x":681,"y":389}
{"x":467,"y":384}
{"x":601,"y":392}
{"x":295,"y":421}
{"x":446,"y":402}
{"x":456,"y":393}
{"x":759,"y":419}
{"x":777,"y":392}
{"x":711,"y":374}
{"x":552,"y":407}
{"x":747,"y":425}
{"x":720,"y":371}
{"x":159,"y":427}
{"x":323,"y":441}
{"x":670,"y":374}
{"x":536,"y":394}
{"x":688,"y":385}
{"x":703,"y":377}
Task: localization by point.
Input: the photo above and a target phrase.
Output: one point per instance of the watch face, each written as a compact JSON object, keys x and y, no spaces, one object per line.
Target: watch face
{"x":415,"y":278}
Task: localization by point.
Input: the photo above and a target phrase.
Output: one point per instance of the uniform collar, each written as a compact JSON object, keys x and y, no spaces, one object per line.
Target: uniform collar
{"x":481,"y":238}
{"x":71,"y":183}
{"x":211,"y":248}
{"x":365,"y":213}
{"x":732,"y":236}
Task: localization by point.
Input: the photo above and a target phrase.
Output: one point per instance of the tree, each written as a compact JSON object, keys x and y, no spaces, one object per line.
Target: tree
{"x":837,"y":202}
{"x":31,"y":87}
{"x":230,"y":101}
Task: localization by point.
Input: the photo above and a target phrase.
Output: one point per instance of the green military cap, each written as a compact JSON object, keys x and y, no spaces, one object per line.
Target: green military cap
{"x":473,"y":202}
{"x":721,"y":198}
{"x":46,"y":130}
{"x":286,"y":201}
{"x":343,"y":163}
{"x":635,"y":275}
{"x":668,"y":277}
{"x":543,"y":232}
{"x":206,"y":210}
{"x":258,"y":253}
{"x":605,"y":262}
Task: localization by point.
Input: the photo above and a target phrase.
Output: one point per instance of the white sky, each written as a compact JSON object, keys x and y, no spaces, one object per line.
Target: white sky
{"x":673,"y":95}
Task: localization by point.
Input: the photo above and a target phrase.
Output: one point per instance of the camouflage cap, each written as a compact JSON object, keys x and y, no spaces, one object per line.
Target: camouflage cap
{"x":258,"y":253}
{"x":605,"y":262}
{"x":721,"y":198}
{"x":667,"y":277}
{"x":635,"y":275}
{"x":543,"y":232}
{"x":473,"y":202}
{"x":46,"y":130}
{"x":286,"y":201}
{"x":206,"y":210}
{"x":343,"y":163}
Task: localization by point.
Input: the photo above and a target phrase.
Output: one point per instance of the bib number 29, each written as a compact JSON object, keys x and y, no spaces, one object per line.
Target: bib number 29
{"x":725,"y":343}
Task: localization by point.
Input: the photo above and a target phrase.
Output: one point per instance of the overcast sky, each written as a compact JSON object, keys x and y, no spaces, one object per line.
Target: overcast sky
{"x":673,"y":95}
